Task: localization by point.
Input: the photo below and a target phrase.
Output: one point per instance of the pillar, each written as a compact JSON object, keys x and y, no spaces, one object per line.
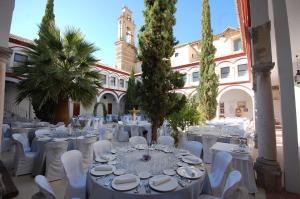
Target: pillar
{"x":287,"y":96}
{"x":266,"y":166}
{"x":6,"y":10}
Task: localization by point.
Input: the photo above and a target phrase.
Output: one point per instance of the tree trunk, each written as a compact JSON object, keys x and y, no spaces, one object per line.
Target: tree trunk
{"x":62,"y":112}
{"x":154,"y":132}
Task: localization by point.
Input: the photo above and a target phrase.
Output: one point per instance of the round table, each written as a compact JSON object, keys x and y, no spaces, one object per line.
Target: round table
{"x":131,"y":161}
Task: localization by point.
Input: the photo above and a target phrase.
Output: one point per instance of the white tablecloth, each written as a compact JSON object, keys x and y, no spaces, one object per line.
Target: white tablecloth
{"x":142,"y":126}
{"x":131,"y":161}
{"x":242,"y":162}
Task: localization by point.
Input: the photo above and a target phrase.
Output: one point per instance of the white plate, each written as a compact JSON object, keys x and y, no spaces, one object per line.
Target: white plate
{"x":241,"y":151}
{"x":183,"y":172}
{"x":101,"y":173}
{"x":125,"y":186}
{"x":183,"y":152}
{"x":165,"y":187}
{"x":140,"y":146}
{"x":101,"y":160}
{"x":119,"y":172}
{"x":185,"y":159}
{"x":113,"y":151}
{"x":182,"y":164}
{"x":144,"y":174}
{"x":112,"y":162}
{"x":44,"y":139}
{"x":169,"y":172}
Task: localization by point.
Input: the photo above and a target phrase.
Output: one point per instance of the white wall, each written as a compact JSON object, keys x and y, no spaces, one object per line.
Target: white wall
{"x":7,"y":7}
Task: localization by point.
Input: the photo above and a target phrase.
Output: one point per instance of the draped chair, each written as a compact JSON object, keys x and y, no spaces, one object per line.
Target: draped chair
{"x":45,"y":189}
{"x":220,"y":166}
{"x":54,"y":167}
{"x":76,"y":177}
{"x":137,"y":140}
{"x":208,"y":141}
{"x":194,"y":147}
{"x":85,"y":146}
{"x":101,"y":147}
{"x":23,"y":162}
{"x":166,"y":140}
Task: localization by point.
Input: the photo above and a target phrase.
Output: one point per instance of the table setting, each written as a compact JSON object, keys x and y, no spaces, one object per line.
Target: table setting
{"x":155,"y":171}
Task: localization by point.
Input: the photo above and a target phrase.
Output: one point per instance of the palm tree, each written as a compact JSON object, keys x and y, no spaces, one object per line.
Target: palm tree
{"x":59,"y":69}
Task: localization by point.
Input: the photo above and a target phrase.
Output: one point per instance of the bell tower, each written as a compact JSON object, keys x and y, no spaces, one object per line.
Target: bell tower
{"x":125,"y":49}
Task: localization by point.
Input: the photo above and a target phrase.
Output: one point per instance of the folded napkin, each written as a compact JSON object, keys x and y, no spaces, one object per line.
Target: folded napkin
{"x":190,"y":171}
{"x":125,"y":179}
{"x":192,"y":158}
{"x":161,"y":180}
{"x":103,"y":168}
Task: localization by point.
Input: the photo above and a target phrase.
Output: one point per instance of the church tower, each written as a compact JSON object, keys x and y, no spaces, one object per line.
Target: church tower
{"x":126,"y":54}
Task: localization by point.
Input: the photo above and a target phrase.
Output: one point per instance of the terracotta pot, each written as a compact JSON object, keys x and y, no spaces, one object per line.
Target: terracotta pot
{"x":62,"y":112}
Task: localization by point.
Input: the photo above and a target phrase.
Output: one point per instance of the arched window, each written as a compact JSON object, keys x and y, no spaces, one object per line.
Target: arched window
{"x":128,"y":35}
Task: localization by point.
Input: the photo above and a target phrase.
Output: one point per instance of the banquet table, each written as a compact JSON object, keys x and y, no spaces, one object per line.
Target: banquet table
{"x":131,"y":161}
{"x":39,"y":146}
{"x":242,"y":161}
{"x":142,"y":126}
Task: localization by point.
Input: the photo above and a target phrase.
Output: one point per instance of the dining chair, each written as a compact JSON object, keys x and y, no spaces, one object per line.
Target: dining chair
{"x":76,"y":177}
{"x":220,"y":167}
{"x":85,"y":146}
{"x":134,"y":130}
{"x":42,"y":132}
{"x":137,"y":140}
{"x":230,"y":189}
{"x":6,"y":138}
{"x":23,"y":161}
{"x":194,"y":147}
{"x":45,"y":189}
{"x":101,"y":147}
{"x":208,"y":140}
{"x":166,"y":140}
{"x":122,"y":135}
{"x":54,"y":167}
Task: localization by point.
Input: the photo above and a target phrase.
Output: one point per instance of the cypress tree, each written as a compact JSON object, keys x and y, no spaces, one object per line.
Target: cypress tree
{"x":131,"y":97}
{"x":48,"y":17}
{"x":208,"y":84}
{"x":156,"y":46}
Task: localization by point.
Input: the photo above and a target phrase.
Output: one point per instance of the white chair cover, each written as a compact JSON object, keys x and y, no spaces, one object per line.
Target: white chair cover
{"x":137,"y":140}
{"x":208,"y":141}
{"x":22,"y":138}
{"x":23,"y":161}
{"x":166,"y":140}
{"x":54,"y":151}
{"x":6,"y":141}
{"x":134,"y":130}
{"x":194,"y":147}
{"x":85,"y":146}
{"x":45,"y":189}
{"x":41,"y":132}
{"x":123,"y":136}
{"x":72,"y":163}
{"x":101,"y":147}
{"x":221,"y":163}
{"x":102,"y":131}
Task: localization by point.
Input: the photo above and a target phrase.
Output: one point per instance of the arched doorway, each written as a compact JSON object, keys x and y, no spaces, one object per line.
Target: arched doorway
{"x":122,"y":104}
{"x":235,"y":102}
{"x":110,"y":101}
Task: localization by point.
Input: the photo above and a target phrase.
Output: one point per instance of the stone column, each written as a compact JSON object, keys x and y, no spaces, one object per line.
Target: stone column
{"x":266,"y":166}
{"x":5,"y":54}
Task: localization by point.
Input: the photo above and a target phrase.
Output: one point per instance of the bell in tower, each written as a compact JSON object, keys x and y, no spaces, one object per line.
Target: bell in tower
{"x":125,"y":48}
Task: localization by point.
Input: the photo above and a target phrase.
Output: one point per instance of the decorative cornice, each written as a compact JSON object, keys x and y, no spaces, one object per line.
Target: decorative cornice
{"x":263,"y":67}
{"x":5,"y":54}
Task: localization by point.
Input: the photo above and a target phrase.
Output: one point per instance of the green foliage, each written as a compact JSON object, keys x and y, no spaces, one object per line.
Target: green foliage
{"x":59,"y":68}
{"x":49,"y":17}
{"x":156,"y":46}
{"x":186,"y":116}
{"x":131,"y":100}
{"x":208,"y":84}
{"x":96,"y":108}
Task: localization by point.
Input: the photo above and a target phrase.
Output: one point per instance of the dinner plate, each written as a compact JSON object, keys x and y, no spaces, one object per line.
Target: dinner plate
{"x":194,"y":172}
{"x":101,"y":160}
{"x":182,"y":164}
{"x":112,"y":162}
{"x":113,"y":151}
{"x":44,"y":138}
{"x":183,"y":152}
{"x":101,"y":173}
{"x":125,"y":186}
{"x":169,"y":172}
{"x":141,"y":146}
{"x":185,"y":159}
{"x":164,"y":187}
{"x":144,"y":174}
{"x":241,"y":151}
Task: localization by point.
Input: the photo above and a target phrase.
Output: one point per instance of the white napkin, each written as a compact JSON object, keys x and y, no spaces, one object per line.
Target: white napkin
{"x":103,"y":168}
{"x":161,"y":180}
{"x":192,"y":158}
{"x":125,"y":179}
{"x":189,"y":171}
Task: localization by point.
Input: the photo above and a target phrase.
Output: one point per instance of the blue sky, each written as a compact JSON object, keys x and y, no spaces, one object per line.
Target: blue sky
{"x":97,"y":19}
